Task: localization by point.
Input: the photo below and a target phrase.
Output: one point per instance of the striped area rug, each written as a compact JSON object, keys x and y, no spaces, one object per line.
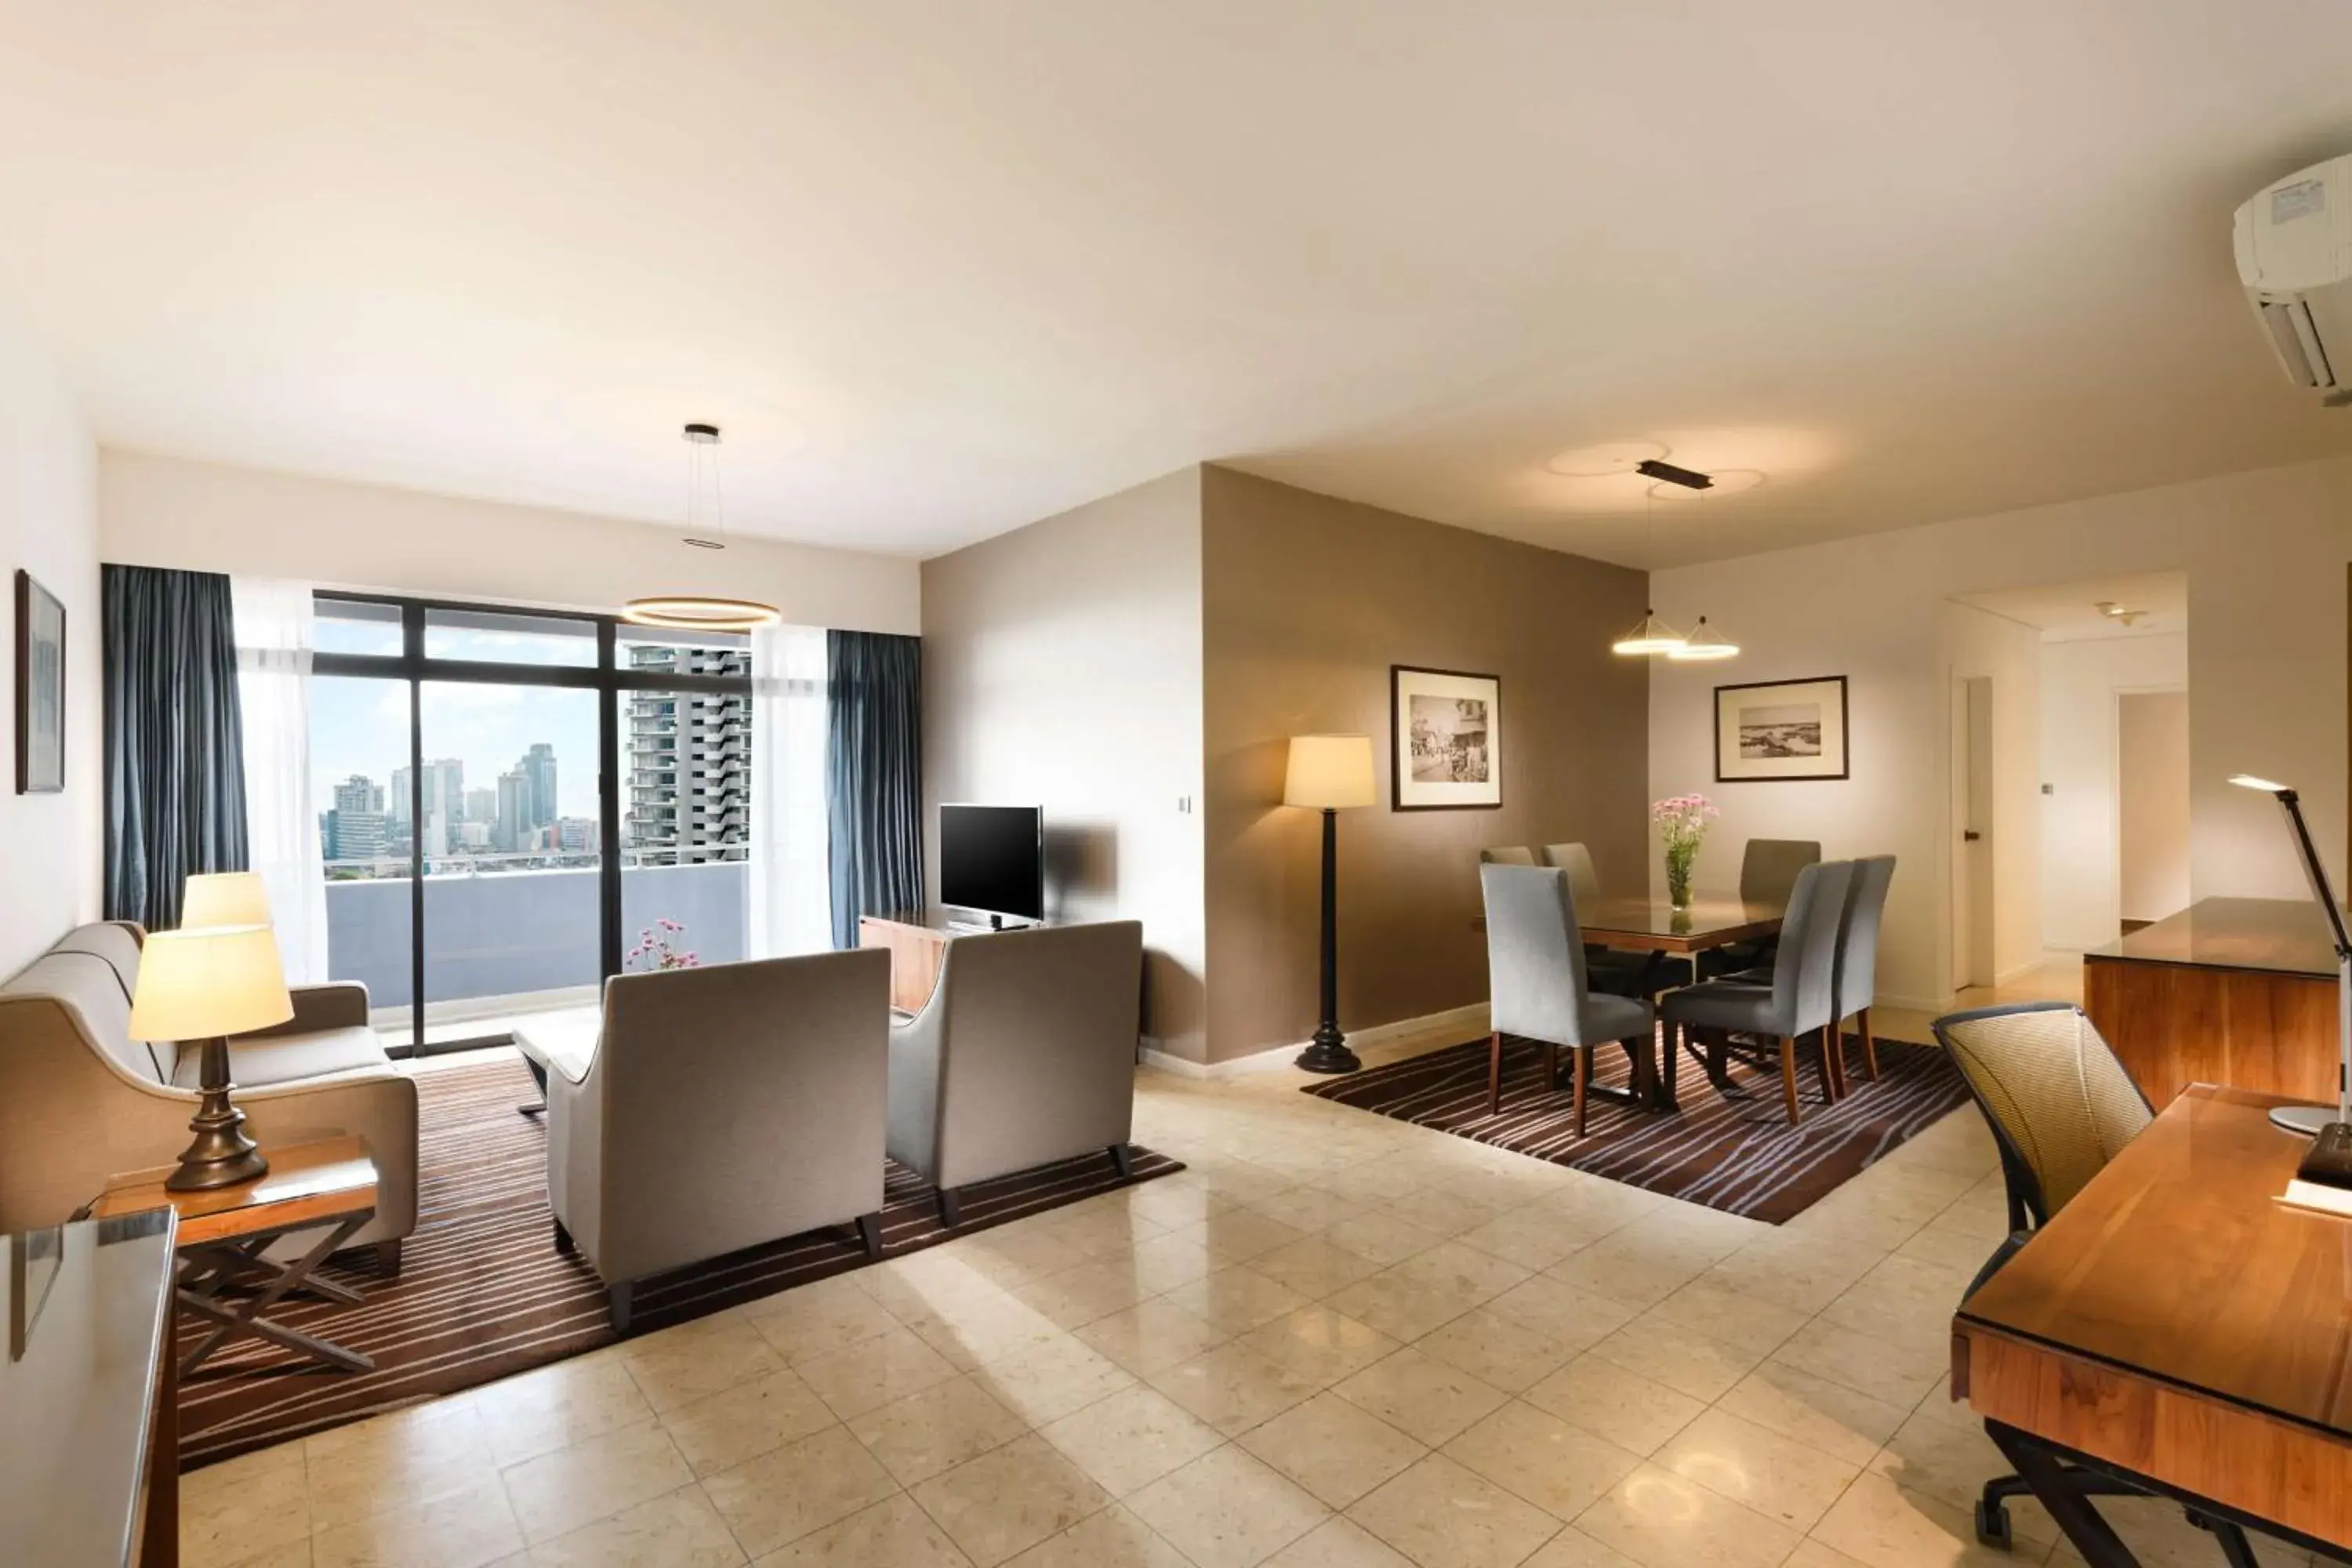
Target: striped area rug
{"x":1733,"y":1152}
{"x":483,"y":1293}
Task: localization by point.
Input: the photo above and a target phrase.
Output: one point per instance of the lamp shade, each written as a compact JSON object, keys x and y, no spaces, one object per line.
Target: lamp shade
{"x":1329,"y":771}
{"x":195,"y":984}
{"x":223,"y":899}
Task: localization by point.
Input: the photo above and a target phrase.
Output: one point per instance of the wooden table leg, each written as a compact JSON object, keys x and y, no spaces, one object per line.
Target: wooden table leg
{"x":158,"y":1540}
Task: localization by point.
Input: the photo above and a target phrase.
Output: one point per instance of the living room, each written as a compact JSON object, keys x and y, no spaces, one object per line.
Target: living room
{"x":1185,"y":786}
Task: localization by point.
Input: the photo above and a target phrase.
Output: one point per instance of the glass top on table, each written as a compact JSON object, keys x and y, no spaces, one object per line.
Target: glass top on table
{"x":1655,"y":925}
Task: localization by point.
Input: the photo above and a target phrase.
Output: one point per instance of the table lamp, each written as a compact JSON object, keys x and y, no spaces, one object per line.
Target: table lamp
{"x":223,"y":899}
{"x":1329,"y":774}
{"x":2312,"y":1119}
{"x":207,"y":985}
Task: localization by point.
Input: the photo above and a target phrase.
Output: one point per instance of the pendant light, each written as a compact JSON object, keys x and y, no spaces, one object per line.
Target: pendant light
{"x":701,"y":611}
{"x":1704,"y":643}
{"x":1652,"y":636}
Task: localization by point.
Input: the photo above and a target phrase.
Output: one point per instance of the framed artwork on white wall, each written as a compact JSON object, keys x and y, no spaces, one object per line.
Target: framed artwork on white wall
{"x":1781,"y":729}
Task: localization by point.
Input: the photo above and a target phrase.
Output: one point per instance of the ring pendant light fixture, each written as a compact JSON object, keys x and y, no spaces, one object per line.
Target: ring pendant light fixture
{"x":701,"y":611}
{"x":1652,"y":636}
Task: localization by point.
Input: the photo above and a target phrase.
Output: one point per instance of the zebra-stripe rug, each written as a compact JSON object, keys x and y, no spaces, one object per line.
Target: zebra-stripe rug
{"x":483,"y":1293}
{"x":1733,"y":1150}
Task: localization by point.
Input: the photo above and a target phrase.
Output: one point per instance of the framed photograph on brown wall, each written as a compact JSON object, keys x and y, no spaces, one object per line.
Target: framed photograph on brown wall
{"x":1445,"y":740}
{"x":40,"y":688}
{"x":1781,"y":729}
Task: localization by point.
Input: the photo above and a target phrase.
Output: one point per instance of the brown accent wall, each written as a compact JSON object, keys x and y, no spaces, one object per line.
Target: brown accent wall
{"x":1306,"y":603}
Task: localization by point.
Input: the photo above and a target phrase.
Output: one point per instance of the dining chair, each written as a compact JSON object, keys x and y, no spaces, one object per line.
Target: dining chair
{"x":1535,"y":978}
{"x":1768,"y":874}
{"x":1606,"y":969}
{"x":1506,"y":855}
{"x":1856,"y":985}
{"x":1797,"y":1002}
{"x":2060,"y":1106}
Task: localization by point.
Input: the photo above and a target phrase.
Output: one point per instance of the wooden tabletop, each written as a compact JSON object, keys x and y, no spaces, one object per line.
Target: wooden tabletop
{"x":306,"y":1184}
{"x":2177,"y":1262}
{"x":1653,"y":925}
{"x":2278,"y":936}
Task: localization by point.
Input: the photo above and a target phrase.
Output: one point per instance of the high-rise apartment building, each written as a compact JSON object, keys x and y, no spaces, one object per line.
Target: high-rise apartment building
{"x":689,"y":761}
{"x":359,"y":794}
{"x":513,"y":831}
{"x":350,"y":834}
{"x":538,"y":766}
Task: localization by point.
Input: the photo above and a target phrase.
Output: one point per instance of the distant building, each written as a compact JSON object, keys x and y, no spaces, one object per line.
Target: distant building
{"x":481,"y":807}
{"x":476,"y":835}
{"x":538,"y":766}
{"x":690,"y":762}
{"x":359,"y":792}
{"x":356,"y":835}
{"x":576,"y":835}
{"x":513,"y":828}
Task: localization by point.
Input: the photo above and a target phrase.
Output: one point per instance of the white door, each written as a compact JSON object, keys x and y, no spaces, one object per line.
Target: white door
{"x":1972,"y":864}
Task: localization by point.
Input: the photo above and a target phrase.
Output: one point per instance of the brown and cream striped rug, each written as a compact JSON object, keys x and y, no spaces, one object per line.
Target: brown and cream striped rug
{"x":482,"y":1291}
{"x":1733,"y":1152}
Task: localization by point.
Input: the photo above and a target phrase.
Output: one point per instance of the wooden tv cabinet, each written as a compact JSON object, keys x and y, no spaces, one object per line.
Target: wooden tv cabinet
{"x":918,"y":948}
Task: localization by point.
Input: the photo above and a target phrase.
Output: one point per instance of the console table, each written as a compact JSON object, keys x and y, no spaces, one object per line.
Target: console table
{"x":918,"y":950}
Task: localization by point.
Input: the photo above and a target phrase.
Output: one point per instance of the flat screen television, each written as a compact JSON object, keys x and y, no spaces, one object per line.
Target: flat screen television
{"x":993,"y":860}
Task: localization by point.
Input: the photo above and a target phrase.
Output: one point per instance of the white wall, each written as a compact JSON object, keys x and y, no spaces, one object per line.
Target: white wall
{"x":2265,"y":554}
{"x":168,"y":511}
{"x":50,"y":847}
{"x":1977,"y":643}
{"x":2152,"y":764}
{"x":2081,"y":875}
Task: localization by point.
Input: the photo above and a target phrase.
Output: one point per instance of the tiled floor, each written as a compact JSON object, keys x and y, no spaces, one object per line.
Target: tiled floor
{"x":1335,"y":1342}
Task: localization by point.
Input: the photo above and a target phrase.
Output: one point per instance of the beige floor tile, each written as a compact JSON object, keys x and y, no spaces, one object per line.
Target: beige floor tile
{"x":1114,"y":1538}
{"x":1879,"y":1523}
{"x":1886,"y":1371}
{"x":1131,"y":1440}
{"x":1009,"y":1500}
{"x":940,"y":1427}
{"x":238,"y":1510}
{"x":1239,"y":1234}
{"x":1811,"y":1553}
{"x":872,"y":1373}
{"x":1623,"y":1406}
{"x":1175,"y":1202}
{"x":1443,"y":1515}
{"x":598,"y":1477}
{"x":1700,"y":1365}
{"x":1164,"y":1262}
{"x":893,"y":1533}
{"x":1462,"y":1270}
{"x":1311,"y":1208}
{"x":1532,"y":1236}
{"x":1319,"y":1343}
{"x":1226,"y":1509}
{"x":1116,"y":1231}
{"x":1315,"y":1266}
{"x":555,"y":1406}
{"x":815,"y":1319}
{"x":1950,"y":1462}
{"x":1635,"y":1266}
{"x":1661,"y":1521}
{"x":1233,"y":1388}
{"x":677,"y":1529}
{"x":1386,"y":1238}
{"x":1776,"y":1475}
{"x":1235,"y":1300}
{"x":1052,"y":1380}
{"x":1403,"y":1306}
{"x":401,"y":1459}
{"x":1078,"y":1296}
{"x":1723,"y":1313}
{"x":1803,"y":1274}
{"x":976,"y":1328}
{"x":1336,"y":1450}
{"x":777,"y":1498}
{"x":695,"y":1360}
{"x":1338,"y":1543}
{"x":1532,"y":1454}
{"x":1823,"y":1415}
{"x":725,"y":1430}
{"x":1151,"y":1336}
{"x":1496,"y":1349}
{"x":297,"y":1554}
{"x":1571,"y":1548}
{"x":1577,"y":1319}
{"x":1425,"y":1399}
{"x":1444,"y":1210}
{"x":1025,"y":1250}
{"x":464,"y":1530}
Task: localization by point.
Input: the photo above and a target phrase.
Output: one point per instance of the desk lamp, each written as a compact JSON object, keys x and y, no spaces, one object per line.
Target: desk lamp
{"x":2312,"y":1119}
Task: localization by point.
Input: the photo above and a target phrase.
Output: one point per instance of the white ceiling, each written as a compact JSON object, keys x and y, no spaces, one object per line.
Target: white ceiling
{"x":2070,"y":612}
{"x":942,"y":268}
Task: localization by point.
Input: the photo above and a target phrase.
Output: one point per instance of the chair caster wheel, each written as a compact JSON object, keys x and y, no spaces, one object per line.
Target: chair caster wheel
{"x":1994,"y":1526}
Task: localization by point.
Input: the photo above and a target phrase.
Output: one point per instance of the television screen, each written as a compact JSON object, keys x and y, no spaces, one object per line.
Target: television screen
{"x":992,"y":859}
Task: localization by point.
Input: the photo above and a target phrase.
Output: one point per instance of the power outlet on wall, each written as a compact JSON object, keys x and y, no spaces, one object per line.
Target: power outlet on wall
{"x":1184,"y":804}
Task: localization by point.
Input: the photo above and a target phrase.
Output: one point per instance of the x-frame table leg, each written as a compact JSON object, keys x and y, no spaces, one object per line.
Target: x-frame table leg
{"x":200,"y":1287}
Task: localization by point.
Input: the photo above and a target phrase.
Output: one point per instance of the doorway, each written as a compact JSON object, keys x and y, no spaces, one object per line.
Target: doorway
{"x":2151,"y":807}
{"x":1973,"y":950}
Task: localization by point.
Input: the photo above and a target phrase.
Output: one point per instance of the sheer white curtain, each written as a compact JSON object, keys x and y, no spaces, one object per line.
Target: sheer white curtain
{"x":791,"y":885}
{"x":273,"y":689}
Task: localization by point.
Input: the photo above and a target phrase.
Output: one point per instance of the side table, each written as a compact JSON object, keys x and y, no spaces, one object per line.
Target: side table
{"x":225,"y":1231}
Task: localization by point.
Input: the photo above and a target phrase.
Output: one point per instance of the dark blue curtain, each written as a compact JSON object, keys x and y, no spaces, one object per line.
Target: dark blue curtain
{"x":174,"y":741}
{"x":874,"y":775}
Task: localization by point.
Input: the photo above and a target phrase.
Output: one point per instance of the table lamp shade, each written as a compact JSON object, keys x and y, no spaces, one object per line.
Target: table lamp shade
{"x":1330,"y":771}
{"x":198,"y":984}
{"x":223,"y":899}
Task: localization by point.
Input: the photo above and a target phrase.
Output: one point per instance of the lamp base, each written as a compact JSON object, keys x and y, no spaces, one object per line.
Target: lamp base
{"x":2303,"y":1120}
{"x":1328,"y":1052}
{"x":220,"y":1154}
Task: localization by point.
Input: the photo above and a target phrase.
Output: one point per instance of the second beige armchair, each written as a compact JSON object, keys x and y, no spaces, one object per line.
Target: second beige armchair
{"x":1024,"y":1055}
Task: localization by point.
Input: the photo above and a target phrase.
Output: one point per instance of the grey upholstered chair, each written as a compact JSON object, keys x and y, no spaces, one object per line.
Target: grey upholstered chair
{"x":1024,"y":1055}
{"x":1537,"y":986}
{"x":1798,"y":1000}
{"x":724,"y":1107}
{"x":1583,"y":881}
{"x":1606,"y":969}
{"x":1856,"y":982}
{"x":2061,"y":1106}
{"x":1506,"y":855}
{"x":1768,"y":874}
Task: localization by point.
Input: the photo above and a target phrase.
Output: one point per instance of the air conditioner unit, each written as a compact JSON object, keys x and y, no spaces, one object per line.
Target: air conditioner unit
{"x":2295,"y":256}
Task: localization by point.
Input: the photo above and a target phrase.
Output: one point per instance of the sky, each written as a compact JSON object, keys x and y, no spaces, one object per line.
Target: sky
{"x":361,"y":726}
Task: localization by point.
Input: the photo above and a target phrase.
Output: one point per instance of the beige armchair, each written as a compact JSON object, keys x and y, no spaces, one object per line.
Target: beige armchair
{"x":1024,"y":1055}
{"x":80,"y":1101}
{"x":721,"y":1107}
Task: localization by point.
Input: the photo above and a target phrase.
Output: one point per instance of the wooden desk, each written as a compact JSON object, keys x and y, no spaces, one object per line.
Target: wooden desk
{"x":2177,"y":1325}
{"x":2235,"y":991}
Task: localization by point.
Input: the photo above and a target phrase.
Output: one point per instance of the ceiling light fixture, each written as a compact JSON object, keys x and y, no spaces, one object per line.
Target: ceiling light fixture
{"x":2119,"y":614}
{"x":701,"y":611}
{"x":1604,"y":458}
{"x":1704,"y":644}
{"x":1652,"y":636}
{"x":1722,"y":482}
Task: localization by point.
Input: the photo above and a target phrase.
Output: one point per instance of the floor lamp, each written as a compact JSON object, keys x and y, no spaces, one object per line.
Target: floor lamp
{"x":1329,"y":774}
{"x":2310,"y":1119}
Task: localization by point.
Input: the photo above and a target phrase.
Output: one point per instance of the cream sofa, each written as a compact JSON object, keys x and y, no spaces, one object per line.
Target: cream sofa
{"x":80,"y":1101}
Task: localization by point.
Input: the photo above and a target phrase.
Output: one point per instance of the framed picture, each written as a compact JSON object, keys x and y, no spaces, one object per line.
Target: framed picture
{"x":1781,"y":729}
{"x":1445,"y":740}
{"x":40,"y":688}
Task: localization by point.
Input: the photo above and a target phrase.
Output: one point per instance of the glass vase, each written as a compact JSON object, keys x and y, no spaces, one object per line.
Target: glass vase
{"x":1678,"y":879}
